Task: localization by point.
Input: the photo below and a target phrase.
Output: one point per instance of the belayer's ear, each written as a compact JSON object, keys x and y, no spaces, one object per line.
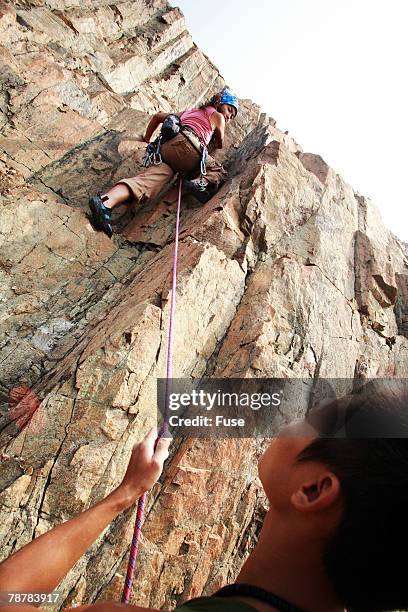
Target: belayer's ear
{"x":317,"y":494}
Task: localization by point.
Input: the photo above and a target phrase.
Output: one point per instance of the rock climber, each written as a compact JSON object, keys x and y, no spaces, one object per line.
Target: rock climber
{"x":335,"y":536}
{"x":202,"y":130}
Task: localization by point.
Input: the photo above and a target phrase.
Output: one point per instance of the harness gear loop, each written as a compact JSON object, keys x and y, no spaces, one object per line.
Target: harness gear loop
{"x":203,"y":160}
{"x":127,"y":587}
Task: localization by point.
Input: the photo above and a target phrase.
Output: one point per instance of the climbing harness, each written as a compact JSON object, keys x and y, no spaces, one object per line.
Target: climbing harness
{"x":170,"y":128}
{"x":127,"y":588}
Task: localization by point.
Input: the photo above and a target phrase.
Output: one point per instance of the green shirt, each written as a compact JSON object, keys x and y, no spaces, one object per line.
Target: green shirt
{"x":216,"y":604}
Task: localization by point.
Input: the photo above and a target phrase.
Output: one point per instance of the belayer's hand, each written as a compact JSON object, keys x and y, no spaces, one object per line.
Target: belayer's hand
{"x":145,"y":466}
{"x":41,"y":565}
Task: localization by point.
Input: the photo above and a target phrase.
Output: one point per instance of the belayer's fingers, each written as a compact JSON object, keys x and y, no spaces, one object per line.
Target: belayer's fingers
{"x":150,"y":439}
{"x":162,"y":449}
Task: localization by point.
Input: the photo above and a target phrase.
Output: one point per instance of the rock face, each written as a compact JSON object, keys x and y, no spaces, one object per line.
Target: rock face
{"x":285,"y":272}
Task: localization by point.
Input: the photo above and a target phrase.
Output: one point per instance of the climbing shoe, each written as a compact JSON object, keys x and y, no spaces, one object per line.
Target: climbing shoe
{"x":101,"y":215}
{"x":200,"y":188}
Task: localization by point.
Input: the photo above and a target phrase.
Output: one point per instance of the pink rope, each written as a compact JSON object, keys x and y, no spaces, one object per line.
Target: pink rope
{"x":173,"y":291}
{"x":127,"y":587}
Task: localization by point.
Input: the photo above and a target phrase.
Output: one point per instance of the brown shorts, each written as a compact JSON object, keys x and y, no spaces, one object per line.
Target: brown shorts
{"x":178,"y":155}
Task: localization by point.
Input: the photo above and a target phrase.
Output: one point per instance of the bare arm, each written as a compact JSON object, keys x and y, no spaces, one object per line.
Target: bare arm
{"x":154,"y":122}
{"x":218,"y":123}
{"x":41,"y":564}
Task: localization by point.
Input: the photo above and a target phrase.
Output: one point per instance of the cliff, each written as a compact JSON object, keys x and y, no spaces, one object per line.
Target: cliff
{"x":285,"y":272}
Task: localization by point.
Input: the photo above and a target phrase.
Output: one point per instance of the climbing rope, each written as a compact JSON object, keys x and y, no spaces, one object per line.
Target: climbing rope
{"x":127,"y":588}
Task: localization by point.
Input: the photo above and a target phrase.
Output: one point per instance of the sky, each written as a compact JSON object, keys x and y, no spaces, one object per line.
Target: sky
{"x":332,"y":72}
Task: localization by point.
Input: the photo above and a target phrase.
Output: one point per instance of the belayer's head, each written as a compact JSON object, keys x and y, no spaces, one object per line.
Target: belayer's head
{"x":339,"y":482}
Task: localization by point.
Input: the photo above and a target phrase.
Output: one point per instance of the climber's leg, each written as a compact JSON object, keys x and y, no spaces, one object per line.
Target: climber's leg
{"x":200,"y":188}
{"x":204,"y":187}
{"x":119,"y":194}
{"x":216,"y":173}
{"x":146,"y":185}
{"x":178,"y":156}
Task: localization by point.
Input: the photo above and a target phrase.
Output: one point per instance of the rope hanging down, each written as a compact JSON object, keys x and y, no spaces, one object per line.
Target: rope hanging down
{"x":127,"y":588}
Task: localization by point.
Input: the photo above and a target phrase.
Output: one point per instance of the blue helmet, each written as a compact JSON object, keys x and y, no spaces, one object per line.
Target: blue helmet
{"x":229,"y":98}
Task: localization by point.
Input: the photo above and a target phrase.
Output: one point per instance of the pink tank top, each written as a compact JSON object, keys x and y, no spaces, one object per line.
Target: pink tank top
{"x":198,"y":119}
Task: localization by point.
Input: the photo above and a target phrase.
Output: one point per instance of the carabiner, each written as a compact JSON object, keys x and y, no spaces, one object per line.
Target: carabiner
{"x":203,"y":159}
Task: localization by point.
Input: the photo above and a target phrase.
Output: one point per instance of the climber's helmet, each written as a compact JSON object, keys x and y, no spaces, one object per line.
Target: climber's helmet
{"x":227,"y":97}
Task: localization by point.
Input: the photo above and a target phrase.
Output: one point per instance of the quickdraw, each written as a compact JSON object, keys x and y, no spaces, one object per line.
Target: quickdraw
{"x":152,"y":155}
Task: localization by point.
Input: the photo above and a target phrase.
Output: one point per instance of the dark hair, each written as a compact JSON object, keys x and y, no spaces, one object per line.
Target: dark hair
{"x":215,"y":101}
{"x":365,"y":559}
